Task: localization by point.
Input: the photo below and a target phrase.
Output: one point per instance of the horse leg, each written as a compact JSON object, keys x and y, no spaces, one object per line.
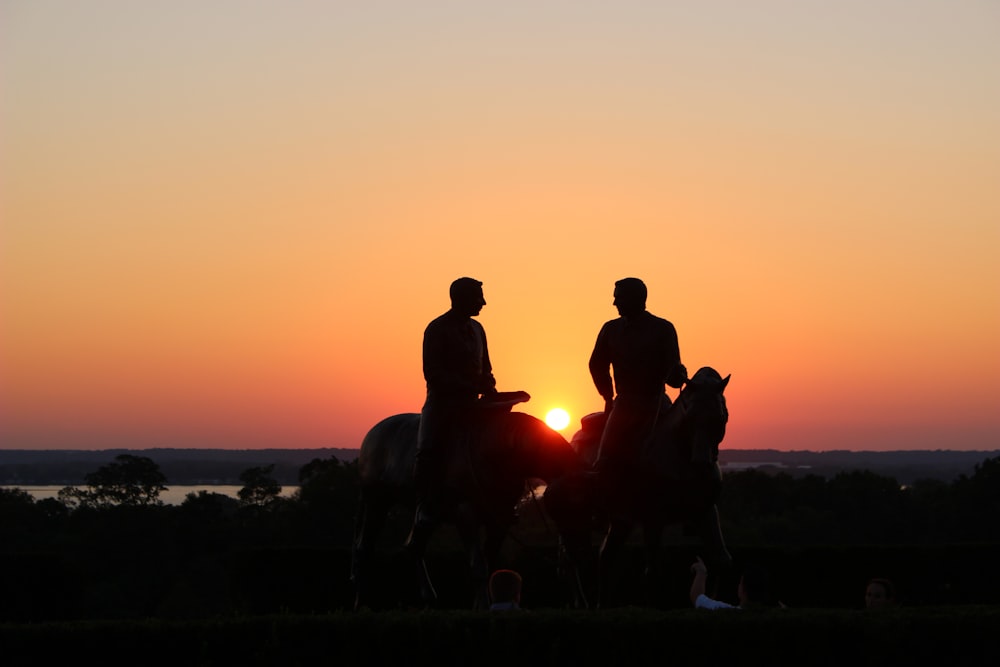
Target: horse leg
{"x":571,"y":567}
{"x":618,"y":531}
{"x":575,"y":566}
{"x":480,"y":556}
{"x":569,"y":501}
{"x":359,"y":550}
{"x":414,"y":549}
{"x":717,"y":555}
{"x":367,"y":526}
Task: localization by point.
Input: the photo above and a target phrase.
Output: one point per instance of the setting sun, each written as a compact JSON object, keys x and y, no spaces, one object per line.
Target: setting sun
{"x":557,"y":419}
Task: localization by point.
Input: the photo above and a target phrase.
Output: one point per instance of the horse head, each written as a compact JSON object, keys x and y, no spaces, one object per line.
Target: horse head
{"x":703,"y":415}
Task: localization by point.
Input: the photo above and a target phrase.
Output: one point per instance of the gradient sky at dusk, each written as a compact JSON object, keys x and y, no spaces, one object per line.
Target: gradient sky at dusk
{"x":226,"y":223}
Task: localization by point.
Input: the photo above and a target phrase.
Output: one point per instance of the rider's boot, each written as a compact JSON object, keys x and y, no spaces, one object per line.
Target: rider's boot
{"x":427,"y":483}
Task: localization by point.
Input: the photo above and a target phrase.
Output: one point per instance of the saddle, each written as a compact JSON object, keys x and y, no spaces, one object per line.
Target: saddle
{"x":503,"y":400}
{"x":488,"y":408}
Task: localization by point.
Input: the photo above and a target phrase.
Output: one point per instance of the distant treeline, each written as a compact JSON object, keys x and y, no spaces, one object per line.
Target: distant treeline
{"x":223,"y":466}
{"x":906,"y":466}
{"x":180,"y":466}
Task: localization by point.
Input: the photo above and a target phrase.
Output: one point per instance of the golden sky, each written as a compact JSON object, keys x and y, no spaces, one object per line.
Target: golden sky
{"x":226,"y":223}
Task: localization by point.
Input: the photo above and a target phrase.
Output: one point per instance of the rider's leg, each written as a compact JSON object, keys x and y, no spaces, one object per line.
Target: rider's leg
{"x":612,"y":452}
{"x":428,"y":472}
{"x":629,"y":425}
{"x":427,"y":481}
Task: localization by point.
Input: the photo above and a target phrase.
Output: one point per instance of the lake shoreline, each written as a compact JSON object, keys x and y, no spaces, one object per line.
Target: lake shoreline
{"x":174,"y":495}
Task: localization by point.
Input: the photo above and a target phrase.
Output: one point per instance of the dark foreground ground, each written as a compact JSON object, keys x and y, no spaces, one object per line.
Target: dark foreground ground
{"x":627,"y":636}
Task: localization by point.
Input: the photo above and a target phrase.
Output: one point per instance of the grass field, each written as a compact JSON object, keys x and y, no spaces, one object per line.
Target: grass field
{"x":550,"y":637}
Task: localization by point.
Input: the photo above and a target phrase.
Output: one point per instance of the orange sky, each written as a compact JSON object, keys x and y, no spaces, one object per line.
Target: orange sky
{"x":226,"y":224}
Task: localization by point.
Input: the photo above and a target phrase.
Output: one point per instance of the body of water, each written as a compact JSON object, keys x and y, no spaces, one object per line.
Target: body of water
{"x":174,"y":495}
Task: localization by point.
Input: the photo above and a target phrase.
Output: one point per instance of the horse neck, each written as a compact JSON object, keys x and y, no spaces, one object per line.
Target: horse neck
{"x":706,"y":407}
{"x":539,"y":452}
{"x":667,"y":450}
{"x":674,"y":437}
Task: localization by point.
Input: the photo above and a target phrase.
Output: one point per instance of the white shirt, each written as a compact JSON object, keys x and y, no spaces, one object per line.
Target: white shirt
{"x":705,"y":602}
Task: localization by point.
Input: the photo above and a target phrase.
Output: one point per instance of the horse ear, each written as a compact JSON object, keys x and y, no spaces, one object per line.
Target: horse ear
{"x":725,"y":381}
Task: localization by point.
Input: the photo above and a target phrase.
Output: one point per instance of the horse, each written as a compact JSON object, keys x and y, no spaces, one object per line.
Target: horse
{"x":506,"y":453}
{"x":676,"y":480}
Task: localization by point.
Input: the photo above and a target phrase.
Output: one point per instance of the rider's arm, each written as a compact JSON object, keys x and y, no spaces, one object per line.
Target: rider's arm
{"x":487,"y":383}
{"x":676,"y":372}
{"x":600,"y":366}
{"x":697,"y":594}
{"x":698,"y":582}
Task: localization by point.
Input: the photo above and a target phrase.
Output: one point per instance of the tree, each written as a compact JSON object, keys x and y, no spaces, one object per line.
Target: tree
{"x":977,"y":502}
{"x":129,"y":480}
{"x":259,"y":488}
{"x":209,"y":504}
{"x":207,"y":522}
{"x":329,"y":483}
{"x":934,"y":511}
{"x":328,"y":496}
{"x":16,"y":498}
{"x":870,"y":507}
{"x":20,"y":517}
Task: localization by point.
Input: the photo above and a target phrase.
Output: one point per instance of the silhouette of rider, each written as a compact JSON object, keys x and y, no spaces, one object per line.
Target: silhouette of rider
{"x":457,"y":370}
{"x":643,"y":352}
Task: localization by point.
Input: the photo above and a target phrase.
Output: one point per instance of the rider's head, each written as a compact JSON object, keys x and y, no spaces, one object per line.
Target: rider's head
{"x":505,"y":586}
{"x":467,"y":296}
{"x":630,"y":296}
